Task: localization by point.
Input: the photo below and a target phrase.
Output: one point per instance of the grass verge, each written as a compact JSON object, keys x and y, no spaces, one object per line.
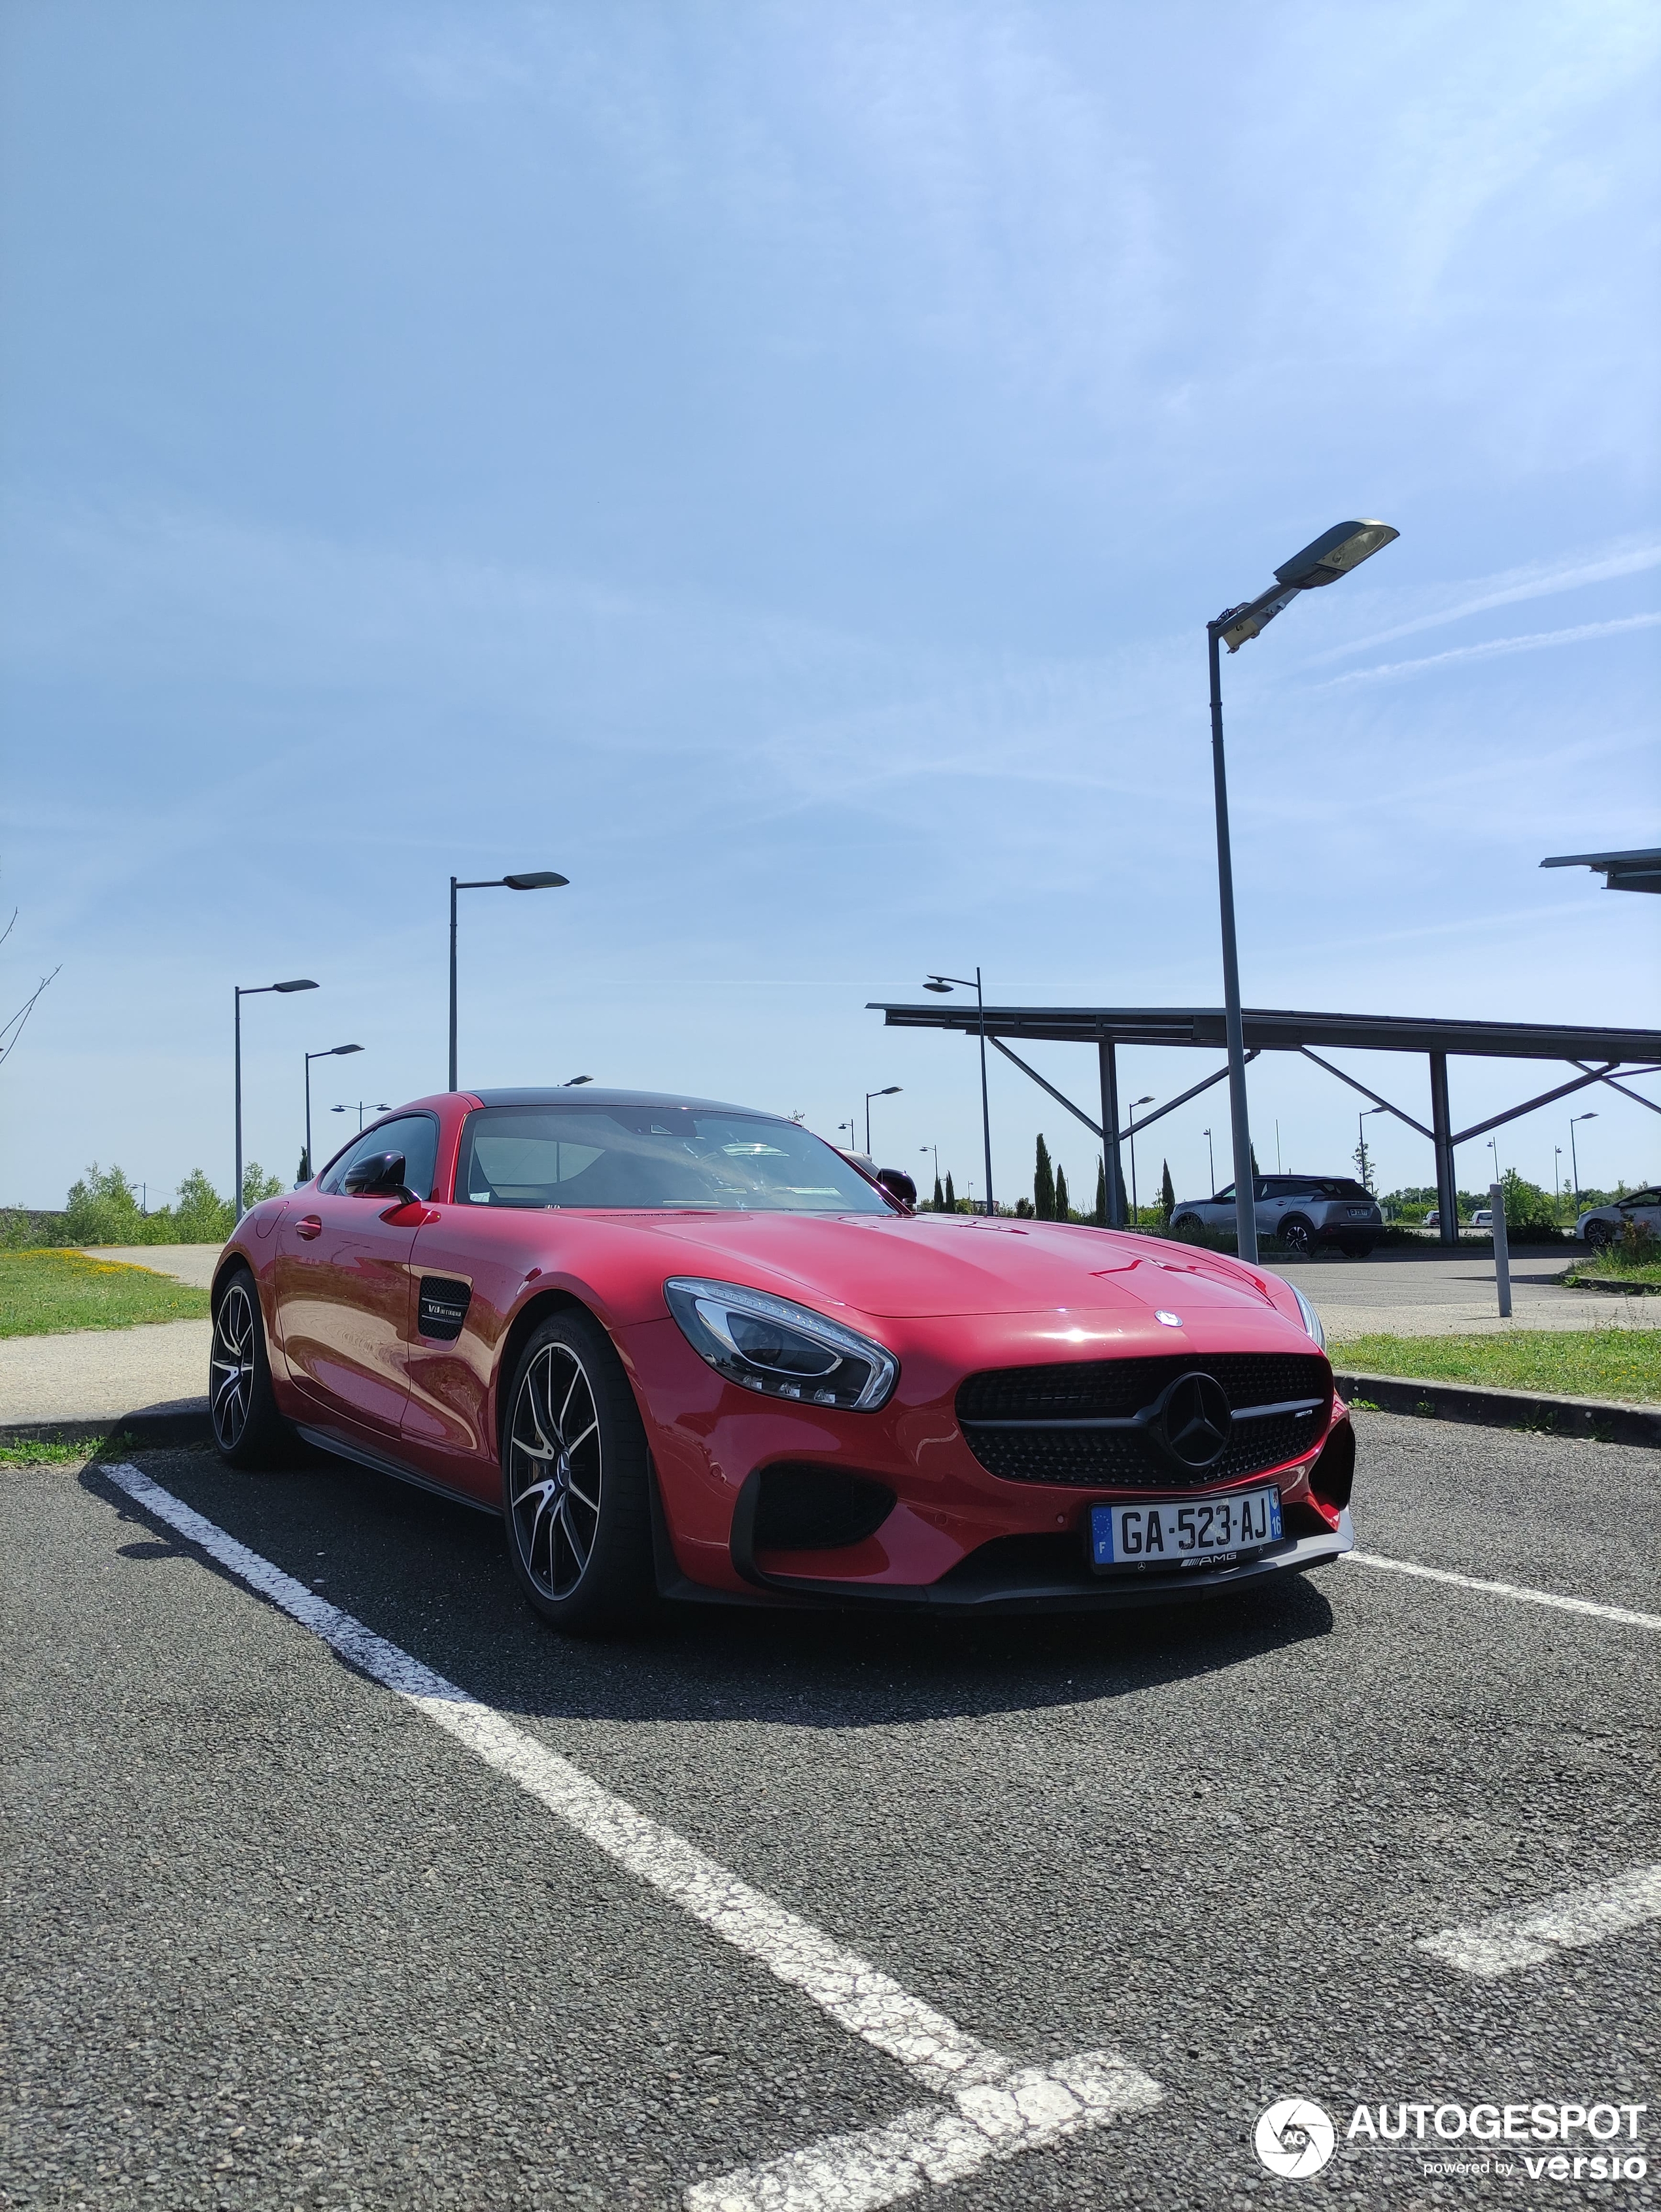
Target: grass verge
{"x":1623,"y":1363}
{"x":1607,"y":1267}
{"x":43,"y":1293}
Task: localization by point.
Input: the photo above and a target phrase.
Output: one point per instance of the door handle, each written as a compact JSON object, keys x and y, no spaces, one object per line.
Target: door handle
{"x":311,"y":1227}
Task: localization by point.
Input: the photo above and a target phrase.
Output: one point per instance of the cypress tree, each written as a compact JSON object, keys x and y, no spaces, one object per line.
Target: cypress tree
{"x":951,"y":1195}
{"x":1044,"y":1185}
{"x":939,"y":1197}
{"x":1167,"y":1194}
{"x":1062,"y":1212}
{"x":1098,"y":1212}
{"x":305,"y":1174}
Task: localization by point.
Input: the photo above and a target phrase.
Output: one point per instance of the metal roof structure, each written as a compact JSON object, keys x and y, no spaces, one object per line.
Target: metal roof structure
{"x":1623,"y":872}
{"x":1614,"y":1051}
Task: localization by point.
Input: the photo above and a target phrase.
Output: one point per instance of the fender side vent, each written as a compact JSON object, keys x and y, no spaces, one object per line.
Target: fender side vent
{"x":817,"y":1509}
{"x":443,"y":1308}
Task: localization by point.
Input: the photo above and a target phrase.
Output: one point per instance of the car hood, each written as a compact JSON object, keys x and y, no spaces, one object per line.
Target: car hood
{"x":937,"y":1265}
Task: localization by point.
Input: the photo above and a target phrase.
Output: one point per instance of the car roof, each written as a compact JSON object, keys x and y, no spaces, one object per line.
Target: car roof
{"x":590,"y":1094}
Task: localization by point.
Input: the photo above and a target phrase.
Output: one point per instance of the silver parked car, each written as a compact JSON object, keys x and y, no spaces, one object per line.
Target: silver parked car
{"x":1601,"y":1225}
{"x":1305,"y":1211}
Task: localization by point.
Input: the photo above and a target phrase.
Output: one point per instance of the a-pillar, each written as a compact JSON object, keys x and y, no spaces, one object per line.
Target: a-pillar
{"x":1116,"y":1204}
{"x":1441,"y":1125}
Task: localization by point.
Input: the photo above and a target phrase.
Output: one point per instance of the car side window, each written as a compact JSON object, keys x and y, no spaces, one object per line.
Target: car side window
{"x":415,"y":1135}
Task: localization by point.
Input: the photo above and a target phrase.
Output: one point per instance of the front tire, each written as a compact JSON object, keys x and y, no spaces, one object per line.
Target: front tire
{"x":248,"y":1431}
{"x":574,"y":1479}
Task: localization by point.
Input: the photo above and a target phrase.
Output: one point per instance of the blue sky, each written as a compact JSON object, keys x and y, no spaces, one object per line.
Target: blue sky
{"x":774,"y":464}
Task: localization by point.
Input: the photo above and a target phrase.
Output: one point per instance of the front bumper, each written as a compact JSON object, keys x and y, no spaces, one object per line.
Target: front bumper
{"x":988,"y":1591}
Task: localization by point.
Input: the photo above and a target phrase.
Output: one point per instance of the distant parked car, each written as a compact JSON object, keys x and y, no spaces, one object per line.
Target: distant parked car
{"x":1305,"y":1211}
{"x":1601,"y":1225}
{"x":1483,"y":1218}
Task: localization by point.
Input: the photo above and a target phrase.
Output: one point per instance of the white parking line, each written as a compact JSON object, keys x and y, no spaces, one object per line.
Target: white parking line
{"x":1528,"y":1934}
{"x":1621,"y":1613}
{"x":995,"y":2112}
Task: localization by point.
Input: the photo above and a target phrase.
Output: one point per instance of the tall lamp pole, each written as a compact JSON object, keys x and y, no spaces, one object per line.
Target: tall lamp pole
{"x":892,"y":1091}
{"x":962,"y":982}
{"x":1135,"y":1209}
{"x":541,"y":879}
{"x":1211,"y":1159}
{"x":333,"y":1052}
{"x":1332,"y":554}
{"x":252,"y":991}
{"x":1361,"y":1134}
{"x":1574,"y":1161}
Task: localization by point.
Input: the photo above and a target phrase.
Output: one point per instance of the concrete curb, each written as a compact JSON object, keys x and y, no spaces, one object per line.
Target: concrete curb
{"x":1604,"y":1418}
{"x":142,"y":1431}
{"x":1614,"y":1283}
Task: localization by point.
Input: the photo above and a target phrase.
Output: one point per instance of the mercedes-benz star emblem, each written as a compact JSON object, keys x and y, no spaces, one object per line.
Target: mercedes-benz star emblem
{"x":1192,"y":1420}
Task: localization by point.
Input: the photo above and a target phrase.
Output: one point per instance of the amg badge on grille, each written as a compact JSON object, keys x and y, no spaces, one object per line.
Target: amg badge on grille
{"x":443,"y":1308}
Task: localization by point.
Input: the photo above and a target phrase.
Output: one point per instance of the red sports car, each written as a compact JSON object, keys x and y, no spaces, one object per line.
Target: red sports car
{"x":687,"y":1348}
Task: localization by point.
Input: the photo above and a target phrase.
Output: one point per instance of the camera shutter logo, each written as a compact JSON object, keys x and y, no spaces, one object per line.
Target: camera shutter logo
{"x":1294,"y":2138}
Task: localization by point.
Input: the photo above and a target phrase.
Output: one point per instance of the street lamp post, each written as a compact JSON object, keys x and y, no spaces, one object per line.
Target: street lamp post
{"x":360,"y":1107}
{"x":1211,"y":1159}
{"x":1574,"y":1163}
{"x":252,"y":991}
{"x":1330,"y":556}
{"x":891,"y":1091}
{"x":333,"y":1052}
{"x":541,"y":879}
{"x":1136,"y":1208}
{"x":946,"y":983}
{"x":1361,"y":1134}
{"x":936,"y":1151}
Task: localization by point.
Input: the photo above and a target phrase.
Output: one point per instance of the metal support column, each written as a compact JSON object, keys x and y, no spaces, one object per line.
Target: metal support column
{"x":1441,"y":1124}
{"x":1116,"y":1210}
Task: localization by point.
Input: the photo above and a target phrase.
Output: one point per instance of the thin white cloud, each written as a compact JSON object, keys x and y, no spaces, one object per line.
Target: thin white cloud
{"x":1496,"y":646}
{"x":1535,"y":582}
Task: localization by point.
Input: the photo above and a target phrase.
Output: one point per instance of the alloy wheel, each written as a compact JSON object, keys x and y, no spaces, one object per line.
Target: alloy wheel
{"x":231,"y":1366}
{"x":555,"y":1470}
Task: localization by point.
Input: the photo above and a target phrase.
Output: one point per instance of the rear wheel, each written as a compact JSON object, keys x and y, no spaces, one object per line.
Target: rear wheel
{"x":247,"y":1428}
{"x":574,"y":1465}
{"x":1187,"y":1221}
{"x":1297,"y":1235}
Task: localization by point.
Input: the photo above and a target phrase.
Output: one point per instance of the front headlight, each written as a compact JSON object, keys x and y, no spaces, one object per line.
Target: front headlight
{"x":1312,"y":1319}
{"x":778,"y":1348}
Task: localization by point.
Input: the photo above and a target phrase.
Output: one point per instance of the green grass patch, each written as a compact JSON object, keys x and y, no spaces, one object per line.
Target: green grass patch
{"x":44,"y":1293}
{"x":47,"y":1451}
{"x":1613,"y":1267}
{"x":1569,"y":1362}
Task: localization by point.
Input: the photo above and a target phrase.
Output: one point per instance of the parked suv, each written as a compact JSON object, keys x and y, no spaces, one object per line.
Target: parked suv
{"x":1303,"y":1210}
{"x":1601,"y":1224}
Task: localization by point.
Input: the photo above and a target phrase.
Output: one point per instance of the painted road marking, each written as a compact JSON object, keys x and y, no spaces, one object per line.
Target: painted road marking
{"x":1621,"y":1613}
{"x":1528,"y":1934}
{"x":935,"y":2145}
{"x":996,"y":2111}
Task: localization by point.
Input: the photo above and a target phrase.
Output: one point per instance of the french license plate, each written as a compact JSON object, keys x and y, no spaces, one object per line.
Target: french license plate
{"x":1171,"y":1532}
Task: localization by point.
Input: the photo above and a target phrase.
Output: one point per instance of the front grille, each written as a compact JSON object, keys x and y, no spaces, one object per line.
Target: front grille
{"x":1126,"y":1459}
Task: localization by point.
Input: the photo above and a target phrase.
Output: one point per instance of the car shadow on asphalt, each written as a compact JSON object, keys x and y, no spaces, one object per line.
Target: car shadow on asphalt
{"x":434,"y":1577}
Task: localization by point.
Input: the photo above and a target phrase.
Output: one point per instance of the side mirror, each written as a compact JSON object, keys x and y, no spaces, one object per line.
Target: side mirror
{"x":378,"y":1174}
{"x":898,"y":1184}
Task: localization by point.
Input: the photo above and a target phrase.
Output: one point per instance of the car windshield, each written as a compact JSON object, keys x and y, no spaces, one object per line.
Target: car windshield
{"x":678,"y":1157}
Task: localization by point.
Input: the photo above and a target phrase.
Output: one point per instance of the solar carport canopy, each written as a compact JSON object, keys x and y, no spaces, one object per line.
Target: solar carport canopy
{"x":1597,"y":1055}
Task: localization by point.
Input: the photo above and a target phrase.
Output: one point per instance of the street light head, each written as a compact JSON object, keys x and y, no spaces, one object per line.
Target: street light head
{"x":300,"y":983}
{"x":935,"y":984}
{"x":892,"y":1091}
{"x":572,"y":1082}
{"x":1333,"y":554}
{"x":340,"y":1051}
{"x":1148,"y":1101}
{"x":541,"y":879}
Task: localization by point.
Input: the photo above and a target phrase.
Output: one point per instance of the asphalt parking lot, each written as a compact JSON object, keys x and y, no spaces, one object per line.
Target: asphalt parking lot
{"x":276,"y":1938}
